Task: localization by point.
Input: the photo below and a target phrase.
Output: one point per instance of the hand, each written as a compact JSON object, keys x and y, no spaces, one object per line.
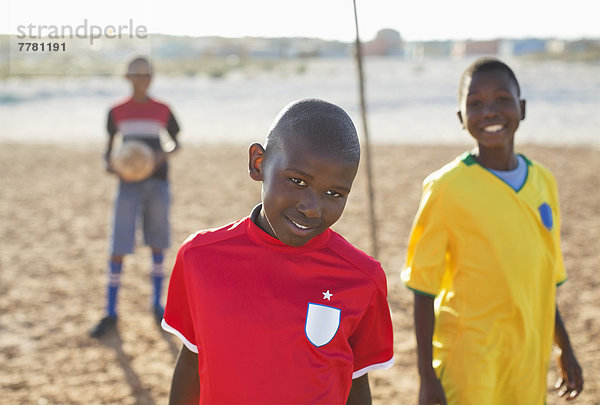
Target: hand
{"x":570,"y":383}
{"x":160,"y":158}
{"x":431,"y":392}
{"x":171,"y":146}
{"x":107,"y":166}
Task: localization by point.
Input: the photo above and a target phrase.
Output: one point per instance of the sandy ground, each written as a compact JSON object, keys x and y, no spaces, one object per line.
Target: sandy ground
{"x":54,"y":208}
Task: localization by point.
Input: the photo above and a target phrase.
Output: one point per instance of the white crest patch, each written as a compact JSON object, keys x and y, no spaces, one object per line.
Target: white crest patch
{"x":322,"y":323}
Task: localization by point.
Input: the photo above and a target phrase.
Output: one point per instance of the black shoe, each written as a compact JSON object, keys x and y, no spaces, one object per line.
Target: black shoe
{"x":159,"y":312}
{"x":106,"y":324}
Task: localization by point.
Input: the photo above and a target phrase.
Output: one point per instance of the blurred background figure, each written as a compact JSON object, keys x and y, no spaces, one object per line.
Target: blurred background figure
{"x":139,"y":119}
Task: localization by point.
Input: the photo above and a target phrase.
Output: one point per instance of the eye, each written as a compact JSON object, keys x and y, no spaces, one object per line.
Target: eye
{"x":502,"y":100}
{"x":474,"y":104}
{"x":298,"y":182}
{"x":333,"y":194}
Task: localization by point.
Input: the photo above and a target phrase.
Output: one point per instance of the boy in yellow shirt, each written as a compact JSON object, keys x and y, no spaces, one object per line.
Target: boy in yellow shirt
{"x":484,"y":261}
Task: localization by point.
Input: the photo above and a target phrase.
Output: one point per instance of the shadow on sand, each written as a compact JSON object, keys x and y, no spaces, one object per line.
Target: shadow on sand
{"x":113,"y":340}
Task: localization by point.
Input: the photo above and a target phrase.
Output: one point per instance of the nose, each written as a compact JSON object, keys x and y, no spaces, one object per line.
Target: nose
{"x":490,"y":109}
{"x":310,"y":204}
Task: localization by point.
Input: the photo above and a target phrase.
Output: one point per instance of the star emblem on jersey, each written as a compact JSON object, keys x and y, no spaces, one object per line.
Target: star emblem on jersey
{"x":327,"y":295}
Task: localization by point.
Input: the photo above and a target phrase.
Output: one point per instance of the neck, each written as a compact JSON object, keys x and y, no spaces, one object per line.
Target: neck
{"x":140,"y":97}
{"x":263,"y":223}
{"x":496,"y":159}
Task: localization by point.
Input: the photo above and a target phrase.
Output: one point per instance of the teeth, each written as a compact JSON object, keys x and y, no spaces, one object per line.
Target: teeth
{"x":493,"y":128}
{"x":300,"y":226}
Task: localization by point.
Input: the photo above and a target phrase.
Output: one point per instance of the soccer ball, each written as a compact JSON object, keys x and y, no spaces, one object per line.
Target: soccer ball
{"x":133,"y":161}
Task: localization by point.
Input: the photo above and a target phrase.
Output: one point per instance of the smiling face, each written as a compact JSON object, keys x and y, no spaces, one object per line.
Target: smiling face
{"x":304,"y":189}
{"x":491,"y":109}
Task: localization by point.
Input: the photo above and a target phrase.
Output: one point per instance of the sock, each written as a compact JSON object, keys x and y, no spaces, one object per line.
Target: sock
{"x":158,"y":274}
{"x":114,"y":281}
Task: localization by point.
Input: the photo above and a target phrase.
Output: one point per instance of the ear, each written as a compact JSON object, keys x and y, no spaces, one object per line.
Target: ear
{"x":460,"y":119}
{"x":256,"y":155}
{"x":522,"y":102}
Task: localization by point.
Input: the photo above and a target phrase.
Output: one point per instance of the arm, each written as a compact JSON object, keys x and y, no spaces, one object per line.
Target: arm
{"x":360,"y":393}
{"x":111,"y":128}
{"x":430,"y":391}
{"x":173,"y":131}
{"x":185,"y":388}
{"x":570,"y":383}
{"x":171,"y":146}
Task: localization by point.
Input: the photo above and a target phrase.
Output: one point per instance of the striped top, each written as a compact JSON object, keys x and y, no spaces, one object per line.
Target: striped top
{"x":144,"y":122}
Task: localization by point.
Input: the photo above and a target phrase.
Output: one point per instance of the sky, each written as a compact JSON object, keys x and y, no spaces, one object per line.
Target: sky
{"x":327,"y":19}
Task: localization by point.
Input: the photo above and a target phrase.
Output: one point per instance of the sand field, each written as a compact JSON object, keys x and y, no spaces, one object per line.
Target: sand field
{"x":55,"y":202}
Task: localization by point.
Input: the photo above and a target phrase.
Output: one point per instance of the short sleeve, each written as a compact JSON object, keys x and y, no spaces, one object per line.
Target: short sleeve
{"x":172,"y":126}
{"x":373,"y":341}
{"x":427,"y":246}
{"x":111,"y":126}
{"x":178,"y":318}
{"x":560,"y":273}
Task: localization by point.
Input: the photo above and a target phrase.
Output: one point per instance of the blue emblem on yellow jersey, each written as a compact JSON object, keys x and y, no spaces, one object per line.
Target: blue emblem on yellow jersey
{"x":546,"y":215}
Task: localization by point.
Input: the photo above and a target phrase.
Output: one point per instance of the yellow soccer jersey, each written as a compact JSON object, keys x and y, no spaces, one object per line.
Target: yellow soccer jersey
{"x":491,"y":256}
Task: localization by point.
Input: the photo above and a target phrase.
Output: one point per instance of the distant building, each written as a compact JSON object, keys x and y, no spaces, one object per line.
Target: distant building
{"x":583,"y":46}
{"x":470,"y":48}
{"x":556,"y":46}
{"x":387,"y":42}
{"x":529,"y":46}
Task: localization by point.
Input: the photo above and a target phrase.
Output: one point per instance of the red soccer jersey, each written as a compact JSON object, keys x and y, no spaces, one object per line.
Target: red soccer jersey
{"x":134,"y":119}
{"x":275,"y":324}
{"x":143,"y":121}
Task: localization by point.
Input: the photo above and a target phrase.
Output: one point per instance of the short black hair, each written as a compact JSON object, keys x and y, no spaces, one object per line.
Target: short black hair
{"x":321,"y":124}
{"x":139,"y":60}
{"x":482,"y":65}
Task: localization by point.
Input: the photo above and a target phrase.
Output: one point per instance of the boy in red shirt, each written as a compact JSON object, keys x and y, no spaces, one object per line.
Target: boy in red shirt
{"x":277,"y":308}
{"x":139,"y":118}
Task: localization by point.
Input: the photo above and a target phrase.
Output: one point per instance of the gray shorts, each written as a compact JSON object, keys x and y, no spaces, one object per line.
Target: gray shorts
{"x":149,"y":201}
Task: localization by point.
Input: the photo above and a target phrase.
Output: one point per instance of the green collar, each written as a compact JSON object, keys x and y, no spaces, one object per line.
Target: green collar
{"x":468,"y":159}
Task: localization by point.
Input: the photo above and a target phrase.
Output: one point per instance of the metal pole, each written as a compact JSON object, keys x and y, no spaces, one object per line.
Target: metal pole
{"x":367,"y":148}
